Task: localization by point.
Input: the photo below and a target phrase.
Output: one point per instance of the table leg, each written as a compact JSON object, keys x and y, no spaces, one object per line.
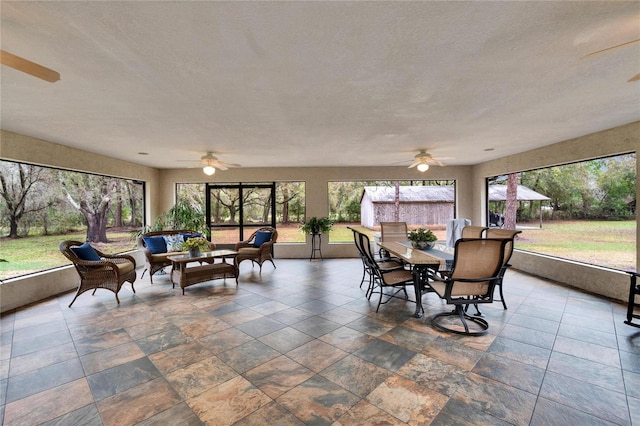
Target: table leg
{"x":420,"y":282}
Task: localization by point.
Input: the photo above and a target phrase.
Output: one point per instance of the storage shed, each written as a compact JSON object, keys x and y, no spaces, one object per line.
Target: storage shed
{"x":419,"y":205}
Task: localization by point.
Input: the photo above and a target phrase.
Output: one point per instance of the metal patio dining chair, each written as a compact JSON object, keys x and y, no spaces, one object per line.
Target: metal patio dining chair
{"x":475,"y":273}
{"x":397,"y":278}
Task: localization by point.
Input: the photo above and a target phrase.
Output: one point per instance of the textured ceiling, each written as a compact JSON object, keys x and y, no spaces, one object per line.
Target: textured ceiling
{"x":319,"y":83}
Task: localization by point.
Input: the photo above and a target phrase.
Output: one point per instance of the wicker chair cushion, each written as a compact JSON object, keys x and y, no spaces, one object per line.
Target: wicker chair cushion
{"x":125,"y":267}
{"x":261,"y":238}
{"x":85,"y":252}
{"x":155,"y":244}
{"x":247,"y":250}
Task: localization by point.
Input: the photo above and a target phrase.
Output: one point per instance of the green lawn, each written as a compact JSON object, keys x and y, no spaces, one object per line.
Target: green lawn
{"x":30,"y":254}
{"x":604,"y":243}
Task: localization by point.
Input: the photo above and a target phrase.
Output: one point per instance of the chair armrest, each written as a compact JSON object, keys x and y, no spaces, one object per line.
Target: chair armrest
{"x":243,"y":244}
{"x":118,"y":258}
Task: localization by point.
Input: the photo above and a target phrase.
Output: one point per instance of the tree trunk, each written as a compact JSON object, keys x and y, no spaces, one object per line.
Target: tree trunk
{"x":285,"y":205}
{"x":396,"y":203}
{"x":118,"y":214}
{"x":511,"y":207}
{"x":13,"y":228}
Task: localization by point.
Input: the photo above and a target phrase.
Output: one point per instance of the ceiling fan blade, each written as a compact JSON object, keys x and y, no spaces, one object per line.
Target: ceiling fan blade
{"x":415,"y":163}
{"x":634,"y":78}
{"x":619,"y":46}
{"x":28,"y":67}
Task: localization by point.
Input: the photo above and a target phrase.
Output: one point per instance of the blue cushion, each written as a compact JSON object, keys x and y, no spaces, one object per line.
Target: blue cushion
{"x":155,"y":244}
{"x":261,"y":238}
{"x":186,"y":236}
{"x":85,"y":252}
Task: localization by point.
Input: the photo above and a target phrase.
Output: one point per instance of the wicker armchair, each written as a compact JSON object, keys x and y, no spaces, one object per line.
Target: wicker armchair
{"x":111,"y":272}
{"x":247,"y":251}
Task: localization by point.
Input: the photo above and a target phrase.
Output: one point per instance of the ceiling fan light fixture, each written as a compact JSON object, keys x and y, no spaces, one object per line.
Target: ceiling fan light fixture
{"x":423,"y":167}
{"x":208,"y":170}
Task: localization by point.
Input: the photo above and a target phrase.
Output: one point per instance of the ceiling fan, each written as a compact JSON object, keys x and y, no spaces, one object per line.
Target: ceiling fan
{"x":28,"y":67}
{"x":616,"y":47}
{"x":210,"y":163}
{"x":423,"y":160}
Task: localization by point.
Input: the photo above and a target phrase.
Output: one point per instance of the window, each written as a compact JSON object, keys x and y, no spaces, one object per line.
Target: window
{"x":582,"y":211}
{"x":424,"y":203}
{"x":41,"y":206}
{"x":290,"y":209}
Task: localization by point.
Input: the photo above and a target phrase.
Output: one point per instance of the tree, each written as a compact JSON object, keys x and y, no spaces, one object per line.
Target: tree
{"x":511,"y":204}
{"x":617,"y":187}
{"x":91,"y":195}
{"x":18,"y":186}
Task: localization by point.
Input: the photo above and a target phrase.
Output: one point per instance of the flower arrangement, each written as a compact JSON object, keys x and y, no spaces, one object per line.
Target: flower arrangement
{"x":199,"y":243}
{"x":422,"y":238}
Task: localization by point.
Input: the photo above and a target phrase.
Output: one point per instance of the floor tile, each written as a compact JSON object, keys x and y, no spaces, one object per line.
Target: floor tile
{"x":364,"y":413}
{"x":433,"y":374}
{"x":347,"y":339}
{"x":549,"y":412}
{"x":180,"y":414}
{"x":460,"y":414}
{"x":196,"y":378}
{"x":316,"y":326}
{"x":260,"y":327}
{"x":316,"y":355}
{"x":505,"y":402}
{"x":583,"y":396}
{"x":44,"y":378}
{"x":453,"y":353}
{"x":286,"y":339}
{"x":224,"y":340}
{"x":138,"y":403}
{"x":49,"y":404}
{"x":229,"y":402}
{"x":407,"y":400}
{"x":356,"y":375}
{"x":385,"y":355}
{"x":278,"y":376}
{"x":522,"y":352}
{"x":248,"y":355}
{"x":179,"y":357}
{"x":109,"y":382}
{"x":40,"y":359}
{"x":589,"y":371}
{"x":512,"y":373}
{"x":266,"y":414}
{"x":590,"y":351}
{"x":107,"y":358}
{"x":318,"y":401}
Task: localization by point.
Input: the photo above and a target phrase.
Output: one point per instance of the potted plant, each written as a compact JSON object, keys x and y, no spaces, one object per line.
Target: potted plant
{"x":422,"y":238}
{"x":195,"y":246}
{"x":317,"y":225}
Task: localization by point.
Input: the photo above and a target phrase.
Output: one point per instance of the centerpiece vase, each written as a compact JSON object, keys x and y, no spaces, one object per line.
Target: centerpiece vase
{"x":194,"y":252}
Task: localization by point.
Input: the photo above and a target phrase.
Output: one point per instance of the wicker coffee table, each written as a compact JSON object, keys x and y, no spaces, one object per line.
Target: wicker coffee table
{"x":207,"y":269}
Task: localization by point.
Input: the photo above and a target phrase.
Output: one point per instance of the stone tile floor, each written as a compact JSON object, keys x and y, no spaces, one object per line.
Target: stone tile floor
{"x":302,"y":345}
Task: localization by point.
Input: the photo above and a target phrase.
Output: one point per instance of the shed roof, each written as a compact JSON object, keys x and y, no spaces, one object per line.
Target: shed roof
{"x":386,"y":194}
{"x":499,"y":193}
